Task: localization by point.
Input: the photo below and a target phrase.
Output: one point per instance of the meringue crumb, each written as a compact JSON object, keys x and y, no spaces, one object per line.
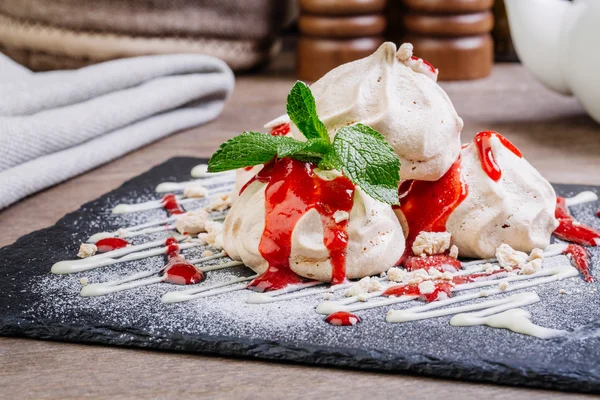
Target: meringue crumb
{"x":362,"y":297}
{"x":192,"y":222}
{"x":509,"y":257}
{"x":531,"y":267}
{"x":453,"y":252}
{"x":340,"y":216}
{"x":427,"y":287}
{"x":220,"y":202}
{"x":84,"y":281}
{"x":213,"y":235}
{"x":503,"y":285}
{"x":535,"y":254}
{"x":431,"y":243}
{"x":195,"y":191}
{"x":121,"y":232}
{"x":562,"y":291}
{"x":328,"y":296}
{"x":87,"y":250}
{"x":207,"y":253}
{"x":483,"y":293}
{"x":364,"y":286}
{"x":396,"y":274}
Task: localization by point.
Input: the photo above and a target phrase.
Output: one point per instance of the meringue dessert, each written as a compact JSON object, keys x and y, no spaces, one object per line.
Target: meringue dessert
{"x":363,"y":179}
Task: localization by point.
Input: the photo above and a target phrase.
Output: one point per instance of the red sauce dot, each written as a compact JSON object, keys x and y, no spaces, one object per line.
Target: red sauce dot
{"x":110,"y":244}
{"x":180,"y":272}
{"x":342,"y":318}
{"x":169,"y":203}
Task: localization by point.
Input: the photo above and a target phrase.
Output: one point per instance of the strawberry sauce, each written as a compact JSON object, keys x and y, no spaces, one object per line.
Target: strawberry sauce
{"x":342,"y":318}
{"x":110,"y":244}
{"x":581,"y":260}
{"x":293,"y":190}
{"x":571,"y":230}
{"x":280,"y":130}
{"x":413,"y":290}
{"x":178,"y":270}
{"x":427,"y":205}
{"x":425,"y":62}
{"x":436,"y":261}
{"x":486,"y":156}
{"x":169,"y":203}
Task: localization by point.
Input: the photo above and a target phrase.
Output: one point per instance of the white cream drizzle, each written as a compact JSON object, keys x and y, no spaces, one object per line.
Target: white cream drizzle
{"x":221,"y":178}
{"x":581,"y":198}
{"x":129,"y":253}
{"x":154,"y":204}
{"x":212,"y":290}
{"x":201,"y":171}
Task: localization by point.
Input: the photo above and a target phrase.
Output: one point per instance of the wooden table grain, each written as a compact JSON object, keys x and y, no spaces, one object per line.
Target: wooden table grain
{"x":552,"y":131}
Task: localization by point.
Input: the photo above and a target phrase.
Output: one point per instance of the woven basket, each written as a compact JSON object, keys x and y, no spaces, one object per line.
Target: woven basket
{"x":63,"y":34}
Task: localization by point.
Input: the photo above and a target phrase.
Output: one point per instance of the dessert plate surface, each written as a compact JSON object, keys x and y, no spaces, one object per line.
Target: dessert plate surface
{"x":37,"y":304}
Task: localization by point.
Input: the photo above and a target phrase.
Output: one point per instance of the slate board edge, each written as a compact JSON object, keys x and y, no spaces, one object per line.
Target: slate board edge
{"x":582,"y":381}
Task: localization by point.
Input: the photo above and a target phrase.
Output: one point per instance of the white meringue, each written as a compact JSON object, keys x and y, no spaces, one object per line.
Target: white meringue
{"x":518,"y":210}
{"x":375,"y":238}
{"x":407,"y":107}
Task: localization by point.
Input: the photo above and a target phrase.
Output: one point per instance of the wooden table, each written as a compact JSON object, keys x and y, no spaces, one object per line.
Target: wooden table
{"x":552,"y":131}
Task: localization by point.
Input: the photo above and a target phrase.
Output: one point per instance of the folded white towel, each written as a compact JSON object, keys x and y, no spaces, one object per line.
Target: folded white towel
{"x":55,"y":125}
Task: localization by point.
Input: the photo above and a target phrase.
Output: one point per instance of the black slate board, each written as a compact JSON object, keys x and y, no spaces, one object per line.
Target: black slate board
{"x":33,"y":303}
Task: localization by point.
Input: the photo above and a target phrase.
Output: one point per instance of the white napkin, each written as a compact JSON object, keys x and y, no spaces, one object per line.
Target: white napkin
{"x":55,"y":125}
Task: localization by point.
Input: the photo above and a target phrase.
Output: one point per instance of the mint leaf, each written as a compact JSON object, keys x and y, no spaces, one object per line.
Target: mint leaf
{"x":368,"y":161}
{"x":254,"y":148}
{"x":302,"y":110}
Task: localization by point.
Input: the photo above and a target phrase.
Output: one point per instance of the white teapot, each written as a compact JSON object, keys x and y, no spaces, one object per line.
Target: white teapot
{"x":559,"y":42}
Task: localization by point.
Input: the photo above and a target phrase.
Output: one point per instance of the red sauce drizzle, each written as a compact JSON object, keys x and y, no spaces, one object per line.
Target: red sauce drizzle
{"x":458,"y":280}
{"x":571,"y":230}
{"x":598,"y":213}
{"x":342,"y":318}
{"x":280,"y":130}
{"x":169,"y":203}
{"x":486,"y":156}
{"x":581,"y":259}
{"x":436,"y":261}
{"x":110,"y":244}
{"x":178,"y":270}
{"x":427,"y":205}
{"x":429,"y":65}
{"x":413,"y":290}
{"x":293,"y":190}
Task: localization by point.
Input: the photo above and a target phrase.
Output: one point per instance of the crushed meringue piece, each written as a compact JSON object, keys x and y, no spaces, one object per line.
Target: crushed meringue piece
{"x":427,"y":287}
{"x":207,"y":253}
{"x":213,"y":235}
{"x":453,"y":252}
{"x":87,"y":250}
{"x":562,"y":291}
{"x":220,"y":202}
{"x":192,"y":222}
{"x":340,"y":216}
{"x":364,"y":286}
{"x":84,"y":281}
{"x":509,"y":257}
{"x":535,"y":254}
{"x":503,"y":285}
{"x":121,"y":232}
{"x":328,"y":296}
{"x":195,"y":191}
{"x":431,"y":243}
{"x":362,"y":297}
{"x":396,"y":274}
{"x":530,"y":267}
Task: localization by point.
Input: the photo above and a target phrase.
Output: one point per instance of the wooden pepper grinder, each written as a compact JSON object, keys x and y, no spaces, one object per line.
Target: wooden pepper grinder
{"x":334,"y":32}
{"x":454,"y":35}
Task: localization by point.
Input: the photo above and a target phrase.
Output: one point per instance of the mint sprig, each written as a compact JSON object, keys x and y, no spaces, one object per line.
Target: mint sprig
{"x":360,"y":152}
